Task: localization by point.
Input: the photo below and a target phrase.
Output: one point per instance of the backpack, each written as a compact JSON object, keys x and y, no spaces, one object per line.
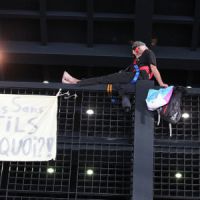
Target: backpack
{"x":171,"y":112}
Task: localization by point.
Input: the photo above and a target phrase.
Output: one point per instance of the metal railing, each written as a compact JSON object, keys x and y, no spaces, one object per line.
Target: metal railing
{"x":102,"y":142}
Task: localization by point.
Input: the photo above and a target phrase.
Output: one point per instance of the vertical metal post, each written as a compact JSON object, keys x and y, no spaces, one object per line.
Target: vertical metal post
{"x":143,"y":145}
{"x":143,"y":20}
{"x":195,"y":31}
{"x":90,"y":28}
{"x":2,"y":65}
{"x":43,"y":22}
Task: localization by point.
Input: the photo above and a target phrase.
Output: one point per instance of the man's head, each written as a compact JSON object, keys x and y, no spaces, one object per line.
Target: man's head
{"x":138,"y":47}
{"x":137,"y":44}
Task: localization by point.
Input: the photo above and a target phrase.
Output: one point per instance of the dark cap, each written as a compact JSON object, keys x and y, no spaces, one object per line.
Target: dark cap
{"x":137,"y":44}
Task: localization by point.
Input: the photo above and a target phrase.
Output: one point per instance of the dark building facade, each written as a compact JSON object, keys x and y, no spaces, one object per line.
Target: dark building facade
{"x":131,"y":157}
{"x":45,"y":37}
{"x":110,"y":155}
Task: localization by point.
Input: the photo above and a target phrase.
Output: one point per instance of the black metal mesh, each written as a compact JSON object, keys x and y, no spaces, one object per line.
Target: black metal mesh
{"x":112,"y":171}
{"x":179,"y":153}
{"x":102,"y":142}
{"x":109,"y":119}
{"x":168,"y":161}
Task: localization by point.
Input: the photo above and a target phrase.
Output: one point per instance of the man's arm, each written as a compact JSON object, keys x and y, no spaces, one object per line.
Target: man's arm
{"x":157,"y":75}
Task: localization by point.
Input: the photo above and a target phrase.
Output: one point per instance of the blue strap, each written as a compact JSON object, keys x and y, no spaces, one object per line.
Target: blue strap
{"x":137,"y":73}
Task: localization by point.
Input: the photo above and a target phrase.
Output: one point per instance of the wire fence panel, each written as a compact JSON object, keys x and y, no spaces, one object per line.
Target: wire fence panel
{"x":94,"y":152}
{"x":177,"y":157}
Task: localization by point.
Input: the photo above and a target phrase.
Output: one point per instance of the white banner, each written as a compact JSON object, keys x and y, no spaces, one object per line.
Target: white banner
{"x":28,"y":127}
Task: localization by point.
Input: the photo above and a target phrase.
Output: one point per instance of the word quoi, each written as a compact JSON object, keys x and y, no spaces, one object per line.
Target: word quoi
{"x":34,"y":147}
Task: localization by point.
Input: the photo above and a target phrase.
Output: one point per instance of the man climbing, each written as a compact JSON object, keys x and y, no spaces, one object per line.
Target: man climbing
{"x":144,"y":67}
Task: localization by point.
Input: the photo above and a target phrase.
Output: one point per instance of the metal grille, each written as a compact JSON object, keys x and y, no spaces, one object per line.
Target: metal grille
{"x":112,"y":171}
{"x":109,"y":119}
{"x":177,"y":158}
{"x":168,"y":161}
{"x":102,"y":142}
{"x":185,"y":129}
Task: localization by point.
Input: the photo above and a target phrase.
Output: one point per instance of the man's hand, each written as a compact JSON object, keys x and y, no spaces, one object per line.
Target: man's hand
{"x":164,"y":85}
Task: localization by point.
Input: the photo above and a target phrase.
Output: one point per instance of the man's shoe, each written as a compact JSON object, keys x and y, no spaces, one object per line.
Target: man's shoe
{"x":126,"y":104}
{"x":127,"y":109}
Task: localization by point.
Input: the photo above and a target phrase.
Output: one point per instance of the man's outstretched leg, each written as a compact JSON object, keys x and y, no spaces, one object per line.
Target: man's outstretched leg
{"x":68,"y":79}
